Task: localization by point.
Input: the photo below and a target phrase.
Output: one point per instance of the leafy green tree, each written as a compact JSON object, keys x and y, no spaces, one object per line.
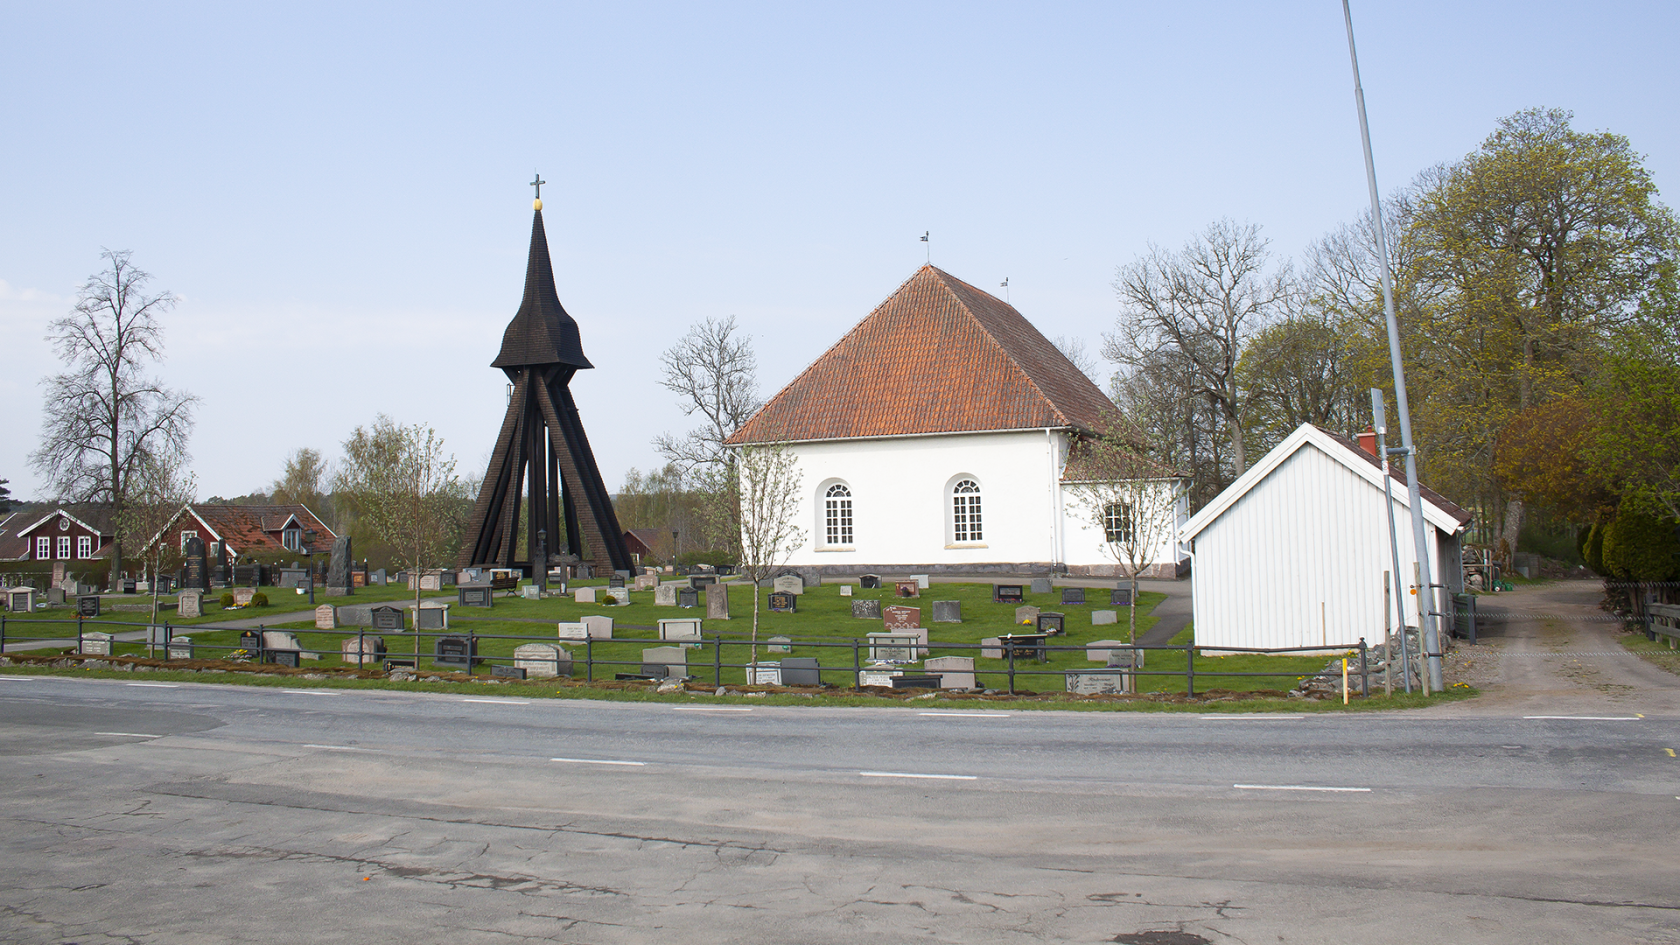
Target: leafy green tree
{"x":1640,"y":546}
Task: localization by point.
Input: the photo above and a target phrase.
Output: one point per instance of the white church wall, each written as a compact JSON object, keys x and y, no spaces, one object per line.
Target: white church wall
{"x":902,"y":504}
{"x":1085,"y":549}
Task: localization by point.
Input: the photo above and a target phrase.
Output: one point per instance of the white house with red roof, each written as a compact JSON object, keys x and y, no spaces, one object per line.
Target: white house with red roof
{"x":936,"y":436}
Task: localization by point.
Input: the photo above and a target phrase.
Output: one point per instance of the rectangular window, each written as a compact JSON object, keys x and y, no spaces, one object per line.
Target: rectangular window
{"x":64,"y":547}
{"x":43,"y":549}
{"x":84,"y":546}
{"x":966,"y":517}
{"x":187,"y":536}
{"x":290,"y":539}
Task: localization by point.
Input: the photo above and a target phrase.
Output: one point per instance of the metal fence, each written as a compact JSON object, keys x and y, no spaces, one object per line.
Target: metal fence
{"x":1023,"y":659}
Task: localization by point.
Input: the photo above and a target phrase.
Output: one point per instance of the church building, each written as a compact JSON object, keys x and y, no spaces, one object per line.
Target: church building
{"x":936,"y":437}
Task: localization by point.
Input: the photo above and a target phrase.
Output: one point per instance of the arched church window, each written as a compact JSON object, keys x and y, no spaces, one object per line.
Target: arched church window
{"x":837,"y":515}
{"x":965,"y":512}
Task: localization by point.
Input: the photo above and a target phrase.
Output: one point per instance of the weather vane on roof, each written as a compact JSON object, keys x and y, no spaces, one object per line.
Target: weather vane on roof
{"x":1004,"y":285}
{"x":929,"y":247}
{"x":537,"y":182}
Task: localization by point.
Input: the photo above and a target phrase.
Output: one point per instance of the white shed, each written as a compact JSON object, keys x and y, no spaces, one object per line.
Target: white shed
{"x":1293,"y":553}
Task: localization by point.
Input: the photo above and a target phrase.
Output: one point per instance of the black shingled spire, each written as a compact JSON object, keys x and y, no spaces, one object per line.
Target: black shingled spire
{"x":541,"y":332}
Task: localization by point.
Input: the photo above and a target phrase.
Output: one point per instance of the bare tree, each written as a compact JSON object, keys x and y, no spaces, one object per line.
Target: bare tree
{"x":301,"y":480}
{"x":405,"y":490}
{"x":1074,"y":350}
{"x":768,"y":488}
{"x":713,"y":372}
{"x":1200,"y":305}
{"x":160,"y":487}
{"x":1131,"y":499}
{"x":104,"y":416}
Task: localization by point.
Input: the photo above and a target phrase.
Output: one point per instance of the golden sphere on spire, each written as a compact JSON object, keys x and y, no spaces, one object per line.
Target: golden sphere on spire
{"x":536,"y":204}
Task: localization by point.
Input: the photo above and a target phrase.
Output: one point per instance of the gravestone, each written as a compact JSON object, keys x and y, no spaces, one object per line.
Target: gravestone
{"x":954,"y":672}
{"x":55,"y":595}
{"x":1026,"y":614}
{"x":647,"y":582}
{"x":542,"y":660}
{"x":616,"y":596}
{"x":20,"y":600}
{"x":584,"y":595}
{"x":456,"y":652}
{"x":387,"y":618}
{"x":359,"y":577}
{"x":529,"y":592}
{"x":127,"y":585}
{"x":1052,"y":623}
{"x":892,"y":647}
{"x":1041,"y":586}
{"x":429,"y":581}
{"x":764,"y":674}
{"x":432,"y":617}
{"x":845,"y":590}
{"x":1007,"y":594}
{"x":680,"y":628}
{"x":717,"y":602}
{"x":280,"y":640}
{"x":1073,"y":595}
{"x":1120,"y":596}
{"x":1126,"y":658}
{"x":991,"y":648}
{"x":921,"y":581}
{"x":509,"y":672}
{"x":362,"y":650}
{"x":665,"y":595}
{"x":242,"y":596}
{"x":338,"y":568}
{"x":288,"y":658}
{"x":578,"y":631}
{"x":801,"y":671}
{"x":251,"y":642}
{"x":179,"y":648}
{"x":866,"y":609}
{"x":473,"y":595}
{"x":1098,"y":682}
{"x":788,"y":584}
{"x":698,"y":581}
{"x":196,"y":568}
{"x":901,"y":618}
{"x":669,"y":661}
{"x":907,"y":588}
{"x":378,"y":578}
{"x":326,"y":617}
{"x":1098,"y":651}
{"x":779,"y":645}
{"x":947,"y":611}
{"x":688,"y":597}
{"x":781,"y":603}
{"x":157,"y":635}
{"x":190,"y":604}
{"x":88,"y":606}
{"x":96,"y":644}
{"x":600,"y":628}
{"x":294,"y":578}
{"x":869,"y":582}
{"x":878,"y":676}
{"x":617,"y":580}
{"x":1100,"y":618}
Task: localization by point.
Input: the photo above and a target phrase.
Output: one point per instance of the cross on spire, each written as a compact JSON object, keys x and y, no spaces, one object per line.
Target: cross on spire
{"x":537,"y":182}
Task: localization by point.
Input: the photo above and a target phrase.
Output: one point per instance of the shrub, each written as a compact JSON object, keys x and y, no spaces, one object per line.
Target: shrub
{"x":1639,"y":546}
{"x":227,"y":600}
{"x":259,"y":599}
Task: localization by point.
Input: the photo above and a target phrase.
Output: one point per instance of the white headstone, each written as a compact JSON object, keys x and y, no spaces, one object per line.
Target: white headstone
{"x":1097,"y":651}
{"x":1104,"y":617}
{"x":574,"y":631}
{"x":788,"y":584}
{"x":845,"y":590}
{"x":921,"y":581}
{"x":647,"y":582}
{"x":190,"y":604}
{"x":180,"y":648}
{"x":764,"y":674}
{"x":893,"y":647}
{"x":281,"y":640}
{"x":542,"y":660}
{"x":600,"y":628}
{"x":878,"y":676}
{"x":530,"y":592}
{"x":955,"y":672}
{"x":1098,"y":682}
{"x":326,"y":617}
{"x":991,"y":648}
{"x":780,"y":645}
{"x":362,"y":650}
{"x":665,"y":595}
{"x":242,"y":595}
{"x":96,"y":644}
{"x":585,"y":595}
{"x":717,"y":602}
{"x":679,"y":628}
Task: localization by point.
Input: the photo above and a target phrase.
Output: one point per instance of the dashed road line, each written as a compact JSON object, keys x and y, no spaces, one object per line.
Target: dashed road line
{"x":1585,"y":718}
{"x":311,"y":692}
{"x":155,"y":685}
{"x":966,"y":715}
{"x":600,"y":761}
{"x":927,"y":777}
{"x":345,"y":748}
{"x":498,"y":701}
{"x":1251,"y":718}
{"x":22,"y":678}
{"x":139,"y":735}
{"x":711,"y":708}
{"x":1301,"y":787}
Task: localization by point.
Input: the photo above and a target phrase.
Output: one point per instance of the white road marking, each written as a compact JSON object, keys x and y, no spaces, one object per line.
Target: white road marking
{"x":1299,"y":787}
{"x":156,"y":685}
{"x":1251,"y":718}
{"x":343,"y":748}
{"x":965,"y":715}
{"x":309,"y":692}
{"x":931,"y":777}
{"x":22,"y":678}
{"x":600,"y":761}
{"x":498,"y":701}
{"x":129,"y":734}
{"x":1589,"y":718}
{"x":712,"y":708}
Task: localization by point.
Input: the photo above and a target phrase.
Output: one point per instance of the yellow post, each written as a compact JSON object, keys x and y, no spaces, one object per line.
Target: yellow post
{"x":1344,"y":681}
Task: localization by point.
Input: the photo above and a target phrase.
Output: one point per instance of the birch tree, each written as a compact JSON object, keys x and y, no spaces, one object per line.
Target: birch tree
{"x":768,"y":489}
{"x":1131,"y":500}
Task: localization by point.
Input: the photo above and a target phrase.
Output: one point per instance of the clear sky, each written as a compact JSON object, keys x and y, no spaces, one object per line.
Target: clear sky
{"x":338,"y":191}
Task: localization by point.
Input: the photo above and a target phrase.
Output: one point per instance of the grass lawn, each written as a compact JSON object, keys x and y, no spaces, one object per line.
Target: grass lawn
{"x":1655,"y":651}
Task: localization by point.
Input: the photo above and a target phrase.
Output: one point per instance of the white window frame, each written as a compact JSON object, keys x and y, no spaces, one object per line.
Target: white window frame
{"x":187,"y":536}
{"x":64,"y":547}
{"x":1118,"y":524}
{"x":292,"y":539}
{"x":839,"y":517}
{"x":84,"y":546}
{"x":43,"y":548}
{"x":965,"y":512}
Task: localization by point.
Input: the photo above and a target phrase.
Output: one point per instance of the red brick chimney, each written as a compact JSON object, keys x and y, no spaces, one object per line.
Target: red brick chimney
{"x":1368,"y":440}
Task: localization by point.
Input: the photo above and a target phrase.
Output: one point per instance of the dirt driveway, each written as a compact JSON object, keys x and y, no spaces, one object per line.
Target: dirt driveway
{"x":1548,"y":650}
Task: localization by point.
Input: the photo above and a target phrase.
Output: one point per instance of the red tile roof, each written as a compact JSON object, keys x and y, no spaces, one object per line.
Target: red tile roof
{"x":255,"y":529}
{"x":938,"y":356}
{"x":1397,"y":471}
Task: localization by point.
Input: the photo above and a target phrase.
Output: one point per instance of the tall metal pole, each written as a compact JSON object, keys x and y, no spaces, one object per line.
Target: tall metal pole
{"x":1379,"y":425}
{"x":1424,"y":591}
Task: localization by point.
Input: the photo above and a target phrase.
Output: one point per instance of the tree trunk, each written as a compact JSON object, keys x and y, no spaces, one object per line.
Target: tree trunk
{"x":1511,"y":529}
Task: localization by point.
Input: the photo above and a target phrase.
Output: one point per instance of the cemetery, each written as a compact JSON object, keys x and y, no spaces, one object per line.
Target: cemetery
{"x":964,"y":640}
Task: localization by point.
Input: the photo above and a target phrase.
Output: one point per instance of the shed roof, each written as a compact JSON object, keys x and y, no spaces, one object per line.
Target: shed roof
{"x":1437,"y":510}
{"x":938,"y":356}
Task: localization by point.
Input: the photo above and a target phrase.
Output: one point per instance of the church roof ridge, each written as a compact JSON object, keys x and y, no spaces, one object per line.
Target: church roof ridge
{"x":937,"y":356}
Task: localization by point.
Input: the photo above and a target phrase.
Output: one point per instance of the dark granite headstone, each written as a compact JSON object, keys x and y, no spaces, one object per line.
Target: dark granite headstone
{"x":1049,"y":622}
{"x":473,"y":595}
{"x":1121,"y":595}
{"x":617,"y":580}
{"x":196,"y":569}
{"x":784,"y":603}
{"x":88,"y":606}
{"x":915,"y":682}
{"x":1073,"y":595}
{"x":338,"y":571}
{"x":251,"y":642}
{"x":801,"y":671}
{"x":869,"y":581}
{"x":947,"y":611}
{"x":284,"y":657}
{"x":511,"y":672}
{"x":388,"y":618}
{"x":1008,"y":594}
{"x":866,"y":609}
{"x":698,"y":581}
{"x":456,"y":652}
{"x":128,"y":585}
{"x":688,"y":597}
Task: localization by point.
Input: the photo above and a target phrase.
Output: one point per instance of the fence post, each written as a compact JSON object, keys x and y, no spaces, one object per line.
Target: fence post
{"x":262,"y":643}
{"x":2,"y":631}
{"x":361,"y":647}
{"x":1364,"y":672}
{"x":1190,"y":669}
{"x":1009,"y":651}
{"x":589,"y":659}
{"x":717,"y":660}
{"x":857,"y":666}
{"x":79,"y":631}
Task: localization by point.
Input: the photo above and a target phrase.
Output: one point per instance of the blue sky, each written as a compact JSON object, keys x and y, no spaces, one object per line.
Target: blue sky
{"x":338,"y":192}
